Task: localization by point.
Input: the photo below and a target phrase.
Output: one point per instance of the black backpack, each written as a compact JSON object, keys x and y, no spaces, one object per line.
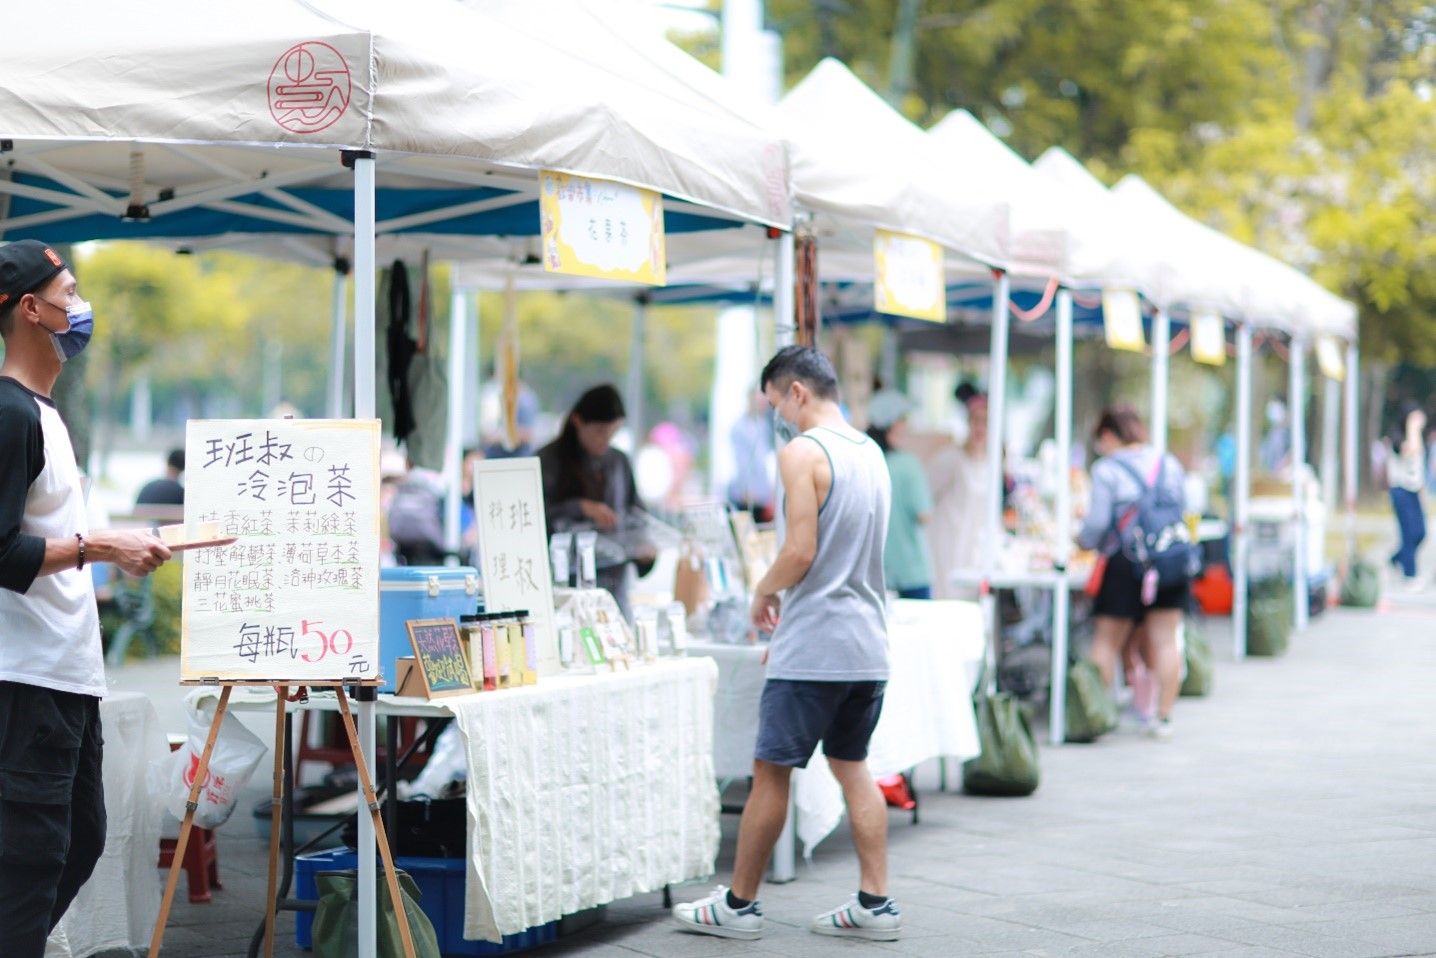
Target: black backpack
{"x":1157,"y":538}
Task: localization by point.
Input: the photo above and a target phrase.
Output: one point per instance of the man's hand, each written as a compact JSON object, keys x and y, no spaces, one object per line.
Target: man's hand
{"x":598,"y":513}
{"x":136,"y":551}
{"x":765,"y":611}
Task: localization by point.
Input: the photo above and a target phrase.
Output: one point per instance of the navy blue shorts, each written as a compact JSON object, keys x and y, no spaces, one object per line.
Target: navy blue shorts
{"x":795,"y":715}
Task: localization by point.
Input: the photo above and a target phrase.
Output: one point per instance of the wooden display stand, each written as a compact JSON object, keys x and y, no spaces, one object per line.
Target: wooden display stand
{"x":366,"y":784}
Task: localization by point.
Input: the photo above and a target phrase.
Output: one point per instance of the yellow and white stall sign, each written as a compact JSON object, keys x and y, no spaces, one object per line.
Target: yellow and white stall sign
{"x":1122,"y":320}
{"x":1209,"y":339}
{"x":1331,"y":358}
{"x":909,"y":277}
{"x":600,"y":228}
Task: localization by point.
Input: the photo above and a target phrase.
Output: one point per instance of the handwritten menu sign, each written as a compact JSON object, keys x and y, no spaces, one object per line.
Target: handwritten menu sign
{"x":440,"y":656}
{"x":296,"y":597}
{"x":601,"y":228}
{"x":908,"y":276}
{"x":513,"y":548}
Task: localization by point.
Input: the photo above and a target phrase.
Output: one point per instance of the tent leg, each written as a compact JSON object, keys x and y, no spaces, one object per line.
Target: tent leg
{"x":1350,"y":446}
{"x":1062,"y":548}
{"x":454,"y":438}
{"x":364,"y":408}
{"x":1297,"y":404}
{"x":1161,"y":372}
{"x":784,"y":278}
{"x":1330,"y":442}
{"x":338,"y":340}
{"x":996,"y":417}
{"x":1241,"y":491}
{"x":634,"y":387}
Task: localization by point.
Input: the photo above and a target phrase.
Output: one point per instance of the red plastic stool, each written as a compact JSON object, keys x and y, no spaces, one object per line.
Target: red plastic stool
{"x":201,"y":857}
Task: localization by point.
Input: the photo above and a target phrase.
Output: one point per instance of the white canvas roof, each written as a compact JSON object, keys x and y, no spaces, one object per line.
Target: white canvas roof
{"x":858,"y":165}
{"x":1042,"y":228}
{"x":498,"y":89}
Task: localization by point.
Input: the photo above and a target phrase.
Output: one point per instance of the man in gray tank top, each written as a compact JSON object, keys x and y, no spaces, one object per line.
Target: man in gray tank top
{"x":823,"y":602}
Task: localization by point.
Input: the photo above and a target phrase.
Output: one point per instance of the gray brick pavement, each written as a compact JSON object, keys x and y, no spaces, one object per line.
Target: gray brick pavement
{"x":1293,"y":815}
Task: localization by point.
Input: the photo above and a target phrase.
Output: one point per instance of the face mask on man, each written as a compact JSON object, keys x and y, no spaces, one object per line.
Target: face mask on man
{"x":73,"y":340}
{"x":784,"y":430}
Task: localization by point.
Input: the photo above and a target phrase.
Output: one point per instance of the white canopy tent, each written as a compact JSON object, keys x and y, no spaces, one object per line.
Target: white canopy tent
{"x":227,"y":118}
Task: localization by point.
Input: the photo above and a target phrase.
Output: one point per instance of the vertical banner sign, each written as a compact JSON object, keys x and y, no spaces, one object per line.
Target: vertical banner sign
{"x":601,"y":228}
{"x":1331,"y":358}
{"x":908,"y":278}
{"x":296,"y":598}
{"x":1209,"y":339}
{"x":1122,"y":319}
{"x":513,"y":547}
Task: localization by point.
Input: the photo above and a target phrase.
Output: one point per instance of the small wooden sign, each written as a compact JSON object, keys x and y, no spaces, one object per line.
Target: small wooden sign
{"x":440,"y":656}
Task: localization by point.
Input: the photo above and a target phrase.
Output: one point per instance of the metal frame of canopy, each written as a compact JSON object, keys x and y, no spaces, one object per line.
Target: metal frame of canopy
{"x":241,"y":174}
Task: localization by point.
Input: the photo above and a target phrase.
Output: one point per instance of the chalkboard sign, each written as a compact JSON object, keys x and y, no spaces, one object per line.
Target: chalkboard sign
{"x":295,"y":596}
{"x":441,"y":657}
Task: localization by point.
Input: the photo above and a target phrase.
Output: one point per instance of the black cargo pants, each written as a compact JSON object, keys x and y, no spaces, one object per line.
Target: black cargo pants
{"x":52,"y":809}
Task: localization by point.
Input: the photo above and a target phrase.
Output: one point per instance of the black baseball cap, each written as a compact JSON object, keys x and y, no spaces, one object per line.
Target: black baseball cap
{"x":25,"y":266}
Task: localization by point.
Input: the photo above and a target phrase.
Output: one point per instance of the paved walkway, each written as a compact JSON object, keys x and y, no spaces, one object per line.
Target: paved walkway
{"x":1293,"y":814}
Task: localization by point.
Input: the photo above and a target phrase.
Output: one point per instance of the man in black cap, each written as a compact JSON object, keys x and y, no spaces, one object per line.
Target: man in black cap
{"x":52,"y":676}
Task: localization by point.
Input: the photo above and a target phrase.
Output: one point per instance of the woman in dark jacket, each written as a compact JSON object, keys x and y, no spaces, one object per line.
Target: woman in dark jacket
{"x":586,"y":482}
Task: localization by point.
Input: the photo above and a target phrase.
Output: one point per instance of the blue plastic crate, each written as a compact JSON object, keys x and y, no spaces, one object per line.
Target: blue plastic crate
{"x":441,"y":883}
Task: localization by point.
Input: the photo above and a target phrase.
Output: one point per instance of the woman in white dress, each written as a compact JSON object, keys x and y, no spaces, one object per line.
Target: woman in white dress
{"x":958,"y":476}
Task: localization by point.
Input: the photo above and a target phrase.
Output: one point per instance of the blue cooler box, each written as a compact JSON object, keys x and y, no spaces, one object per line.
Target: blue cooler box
{"x":441,"y":885}
{"x":420,"y":592}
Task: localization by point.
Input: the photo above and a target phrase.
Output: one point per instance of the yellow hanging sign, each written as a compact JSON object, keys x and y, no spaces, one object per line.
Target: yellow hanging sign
{"x":602,"y":229}
{"x":908,"y":277}
{"x":1330,"y":357}
{"x":1122,"y":320}
{"x":1209,"y":339}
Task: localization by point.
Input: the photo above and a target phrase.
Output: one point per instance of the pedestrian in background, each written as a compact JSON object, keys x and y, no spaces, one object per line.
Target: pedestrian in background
{"x":1406,"y":475}
{"x":906,"y":562}
{"x":1130,"y":471}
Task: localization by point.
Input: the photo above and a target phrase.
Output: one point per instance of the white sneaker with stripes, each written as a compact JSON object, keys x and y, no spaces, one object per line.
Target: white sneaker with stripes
{"x":712,"y":916}
{"x":852,"y":920}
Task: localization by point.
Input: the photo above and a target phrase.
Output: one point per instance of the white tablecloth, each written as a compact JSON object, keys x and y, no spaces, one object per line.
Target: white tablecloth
{"x":935,"y":654}
{"x":586,"y":790}
{"x":118,"y":905}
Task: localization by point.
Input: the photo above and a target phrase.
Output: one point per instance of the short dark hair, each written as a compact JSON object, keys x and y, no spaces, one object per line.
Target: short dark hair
{"x":803,"y":364}
{"x":176,"y":460}
{"x":1122,"y":422}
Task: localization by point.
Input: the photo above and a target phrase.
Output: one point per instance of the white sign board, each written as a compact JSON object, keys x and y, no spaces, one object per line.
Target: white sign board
{"x":908,"y":276}
{"x":513,"y":547}
{"x":296,"y":598}
{"x":1209,"y":339}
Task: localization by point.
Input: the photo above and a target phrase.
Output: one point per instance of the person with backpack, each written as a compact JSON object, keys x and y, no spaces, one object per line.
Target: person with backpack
{"x":1136,"y":519}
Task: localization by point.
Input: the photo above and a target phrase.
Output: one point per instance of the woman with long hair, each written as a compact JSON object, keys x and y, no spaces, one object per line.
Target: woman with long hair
{"x":1127,"y":472}
{"x":587,"y":483}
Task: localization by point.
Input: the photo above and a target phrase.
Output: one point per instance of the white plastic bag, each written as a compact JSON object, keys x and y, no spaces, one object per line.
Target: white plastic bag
{"x":236,"y":754}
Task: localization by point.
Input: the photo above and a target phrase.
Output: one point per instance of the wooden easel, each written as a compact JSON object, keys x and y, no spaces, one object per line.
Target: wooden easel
{"x":396,"y":900}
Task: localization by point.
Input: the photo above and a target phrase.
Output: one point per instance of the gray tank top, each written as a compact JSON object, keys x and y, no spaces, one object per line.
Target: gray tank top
{"x":833,"y":626}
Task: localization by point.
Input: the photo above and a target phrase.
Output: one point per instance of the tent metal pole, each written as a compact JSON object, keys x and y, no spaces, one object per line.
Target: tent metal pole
{"x":338,"y":340}
{"x":1161,"y":354}
{"x":784,"y":277}
{"x":454,"y":437}
{"x":634,"y":388}
{"x":1350,"y":446}
{"x":1062,"y":548}
{"x":1330,"y":443}
{"x":1296,"y":402}
{"x":996,"y":418}
{"x":1241,"y":491}
{"x":364,"y":408}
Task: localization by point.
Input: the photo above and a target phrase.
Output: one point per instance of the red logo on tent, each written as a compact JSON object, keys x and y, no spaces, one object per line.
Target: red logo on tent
{"x":309,"y":87}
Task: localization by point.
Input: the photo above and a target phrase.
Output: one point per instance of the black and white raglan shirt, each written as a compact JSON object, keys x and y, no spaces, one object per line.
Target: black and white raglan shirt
{"x":49,"y":625}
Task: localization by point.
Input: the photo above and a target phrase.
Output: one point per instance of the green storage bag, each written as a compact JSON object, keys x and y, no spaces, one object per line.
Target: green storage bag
{"x":1269,"y":615}
{"x":1008,"y":763}
{"x":1091,"y":711}
{"x":1199,"y":663}
{"x":1362,"y":587}
{"x":336,"y":920}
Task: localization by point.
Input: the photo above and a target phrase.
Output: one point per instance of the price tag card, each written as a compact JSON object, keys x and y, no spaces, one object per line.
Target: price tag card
{"x":296,"y":597}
